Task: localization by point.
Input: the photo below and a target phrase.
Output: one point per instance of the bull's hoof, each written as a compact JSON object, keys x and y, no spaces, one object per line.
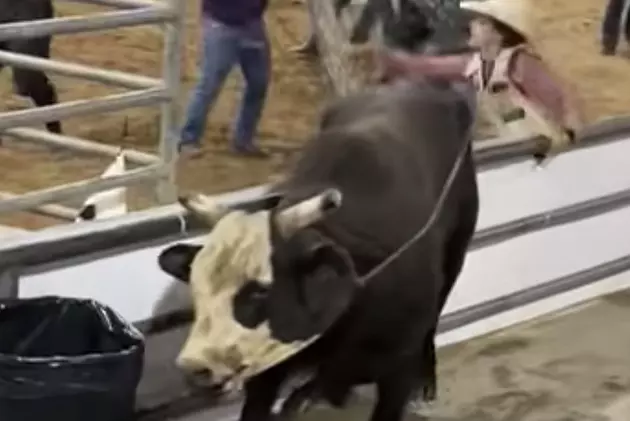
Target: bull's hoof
{"x":426,"y":394}
{"x":429,"y":393}
{"x":299,"y":401}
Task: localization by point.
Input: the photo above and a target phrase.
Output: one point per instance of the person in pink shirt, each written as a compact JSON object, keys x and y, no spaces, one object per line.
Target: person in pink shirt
{"x":516,"y":92}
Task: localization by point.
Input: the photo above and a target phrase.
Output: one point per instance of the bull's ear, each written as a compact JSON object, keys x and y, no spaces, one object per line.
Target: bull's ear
{"x":177,"y":259}
{"x":314,"y":301}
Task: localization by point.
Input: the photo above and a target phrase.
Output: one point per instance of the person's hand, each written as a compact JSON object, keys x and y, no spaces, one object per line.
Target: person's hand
{"x":368,"y":58}
{"x":573,"y":126}
{"x":392,"y":59}
{"x":392,"y":63}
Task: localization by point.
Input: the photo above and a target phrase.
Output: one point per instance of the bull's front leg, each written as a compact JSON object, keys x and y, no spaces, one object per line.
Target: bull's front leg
{"x":427,"y":370}
{"x":299,"y":400}
{"x":393,"y":394}
{"x":261,"y":393}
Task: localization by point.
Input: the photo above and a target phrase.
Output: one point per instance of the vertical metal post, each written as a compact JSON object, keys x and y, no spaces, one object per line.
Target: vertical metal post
{"x":166,"y":189}
{"x":9,"y":283}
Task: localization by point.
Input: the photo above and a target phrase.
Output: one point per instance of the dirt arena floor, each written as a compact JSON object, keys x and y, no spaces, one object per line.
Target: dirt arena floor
{"x":567,"y":32}
{"x":572,"y":365}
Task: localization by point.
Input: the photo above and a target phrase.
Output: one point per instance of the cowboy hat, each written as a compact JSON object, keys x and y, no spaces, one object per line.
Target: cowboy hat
{"x":512,"y":13}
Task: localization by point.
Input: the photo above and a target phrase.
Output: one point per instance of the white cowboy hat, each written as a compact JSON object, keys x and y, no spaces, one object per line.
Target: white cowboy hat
{"x":512,"y":13}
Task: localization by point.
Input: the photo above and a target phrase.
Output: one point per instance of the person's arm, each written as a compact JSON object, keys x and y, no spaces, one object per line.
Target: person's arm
{"x":399,"y":64}
{"x":536,"y":82}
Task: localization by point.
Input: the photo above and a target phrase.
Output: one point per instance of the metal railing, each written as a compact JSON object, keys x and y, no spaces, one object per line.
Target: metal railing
{"x":57,"y":245}
{"x":157,"y":169}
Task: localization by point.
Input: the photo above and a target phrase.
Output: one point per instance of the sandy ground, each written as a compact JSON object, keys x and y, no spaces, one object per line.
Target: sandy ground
{"x":570,"y":366}
{"x":566,"y":30}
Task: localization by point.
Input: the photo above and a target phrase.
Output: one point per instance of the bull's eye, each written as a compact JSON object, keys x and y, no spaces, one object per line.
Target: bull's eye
{"x":250,"y":304}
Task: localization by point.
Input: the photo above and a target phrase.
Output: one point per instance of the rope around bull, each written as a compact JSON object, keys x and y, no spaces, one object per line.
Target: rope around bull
{"x":428,"y":224}
{"x":293,"y":402}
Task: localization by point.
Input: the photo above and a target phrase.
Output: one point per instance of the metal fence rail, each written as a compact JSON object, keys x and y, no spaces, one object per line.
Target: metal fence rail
{"x":148,"y":92}
{"x":157,"y":225}
{"x":82,"y":107}
{"x":82,"y":188}
{"x":97,"y":22}
{"x":52,"y":211}
{"x":120,"y":4}
{"x":92,"y":74}
{"x":81,"y":145}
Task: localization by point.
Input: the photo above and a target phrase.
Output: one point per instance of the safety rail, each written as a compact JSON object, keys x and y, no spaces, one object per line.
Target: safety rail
{"x":51,"y":210}
{"x":148,"y":92}
{"x":136,"y":231}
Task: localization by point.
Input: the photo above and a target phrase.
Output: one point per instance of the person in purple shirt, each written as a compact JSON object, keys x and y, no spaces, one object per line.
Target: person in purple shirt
{"x":233,"y":32}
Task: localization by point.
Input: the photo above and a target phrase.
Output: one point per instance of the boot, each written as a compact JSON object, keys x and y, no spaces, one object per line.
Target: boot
{"x":609,"y":46}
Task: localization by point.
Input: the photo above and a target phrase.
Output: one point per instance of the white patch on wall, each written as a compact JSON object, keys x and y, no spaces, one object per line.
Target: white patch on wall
{"x":109,"y":203}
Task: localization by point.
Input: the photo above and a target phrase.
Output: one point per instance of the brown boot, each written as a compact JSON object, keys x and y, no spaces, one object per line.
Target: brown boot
{"x":250,"y":152}
{"x":609,"y":46}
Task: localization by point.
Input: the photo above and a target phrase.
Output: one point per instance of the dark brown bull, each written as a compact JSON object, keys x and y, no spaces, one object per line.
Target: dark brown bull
{"x":367,"y":182}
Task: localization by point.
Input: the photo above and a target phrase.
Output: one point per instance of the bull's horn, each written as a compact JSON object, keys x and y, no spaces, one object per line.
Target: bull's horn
{"x":308,"y":211}
{"x":203,"y":207}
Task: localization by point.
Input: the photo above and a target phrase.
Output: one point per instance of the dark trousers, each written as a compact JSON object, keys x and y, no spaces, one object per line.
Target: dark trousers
{"x":611,"y":25}
{"x":223,"y":48}
{"x":34,"y":83}
{"x":30,"y":83}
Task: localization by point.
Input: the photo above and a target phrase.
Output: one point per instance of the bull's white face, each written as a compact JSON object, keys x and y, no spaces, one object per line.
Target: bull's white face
{"x":232,"y":284}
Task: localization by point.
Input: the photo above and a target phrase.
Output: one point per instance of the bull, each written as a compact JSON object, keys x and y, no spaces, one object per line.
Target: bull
{"x":27,"y":82}
{"x":323,"y":270}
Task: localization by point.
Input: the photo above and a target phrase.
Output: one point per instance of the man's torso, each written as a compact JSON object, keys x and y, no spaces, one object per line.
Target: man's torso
{"x":235,"y":12}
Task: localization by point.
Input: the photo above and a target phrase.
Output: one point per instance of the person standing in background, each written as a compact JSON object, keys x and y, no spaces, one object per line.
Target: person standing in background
{"x":233,"y":32}
{"x":516,"y":92}
{"x":29,"y":83}
{"x":611,"y":25}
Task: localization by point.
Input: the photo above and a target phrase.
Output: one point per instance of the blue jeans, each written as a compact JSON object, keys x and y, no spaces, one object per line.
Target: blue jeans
{"x":223,"y":47}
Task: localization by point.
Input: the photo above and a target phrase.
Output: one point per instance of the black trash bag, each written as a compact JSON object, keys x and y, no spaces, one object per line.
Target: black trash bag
{"x":66,"y":359}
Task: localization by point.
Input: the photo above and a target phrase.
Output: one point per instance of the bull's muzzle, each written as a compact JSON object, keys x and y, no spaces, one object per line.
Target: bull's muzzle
{"x":203,"y":378}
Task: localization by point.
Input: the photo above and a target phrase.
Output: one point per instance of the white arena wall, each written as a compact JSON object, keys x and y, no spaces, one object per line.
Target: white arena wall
{"x":132,"y":283}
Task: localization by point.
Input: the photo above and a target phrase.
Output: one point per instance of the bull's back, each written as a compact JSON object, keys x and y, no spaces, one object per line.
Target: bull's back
{"x":390,"y":152}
